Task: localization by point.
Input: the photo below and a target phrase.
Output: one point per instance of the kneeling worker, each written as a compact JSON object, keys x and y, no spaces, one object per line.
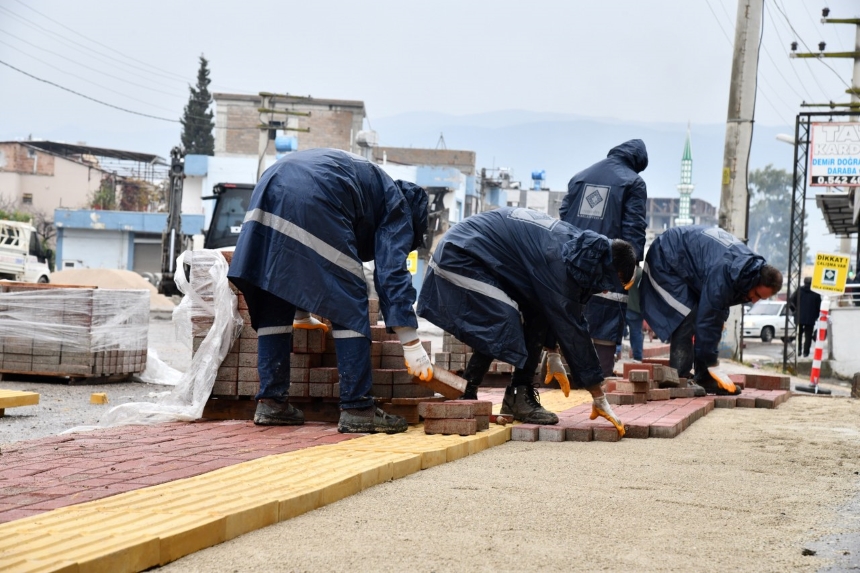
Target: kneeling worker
{"x":505,"y":282}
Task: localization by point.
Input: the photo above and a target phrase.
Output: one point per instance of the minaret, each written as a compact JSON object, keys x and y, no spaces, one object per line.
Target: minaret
{"x":685,"y":188}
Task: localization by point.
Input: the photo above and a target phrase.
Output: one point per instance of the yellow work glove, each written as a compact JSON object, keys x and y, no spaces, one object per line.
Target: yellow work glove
{"x":309,"y":323}
{"x":555,"y":369}
{"x":417,"y":361}
{"x":600,"y":407}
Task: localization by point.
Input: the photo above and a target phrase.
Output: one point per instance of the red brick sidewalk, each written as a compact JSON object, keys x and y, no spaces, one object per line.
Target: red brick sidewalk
{"x":45,"y":474}
{"x":41,"y":475}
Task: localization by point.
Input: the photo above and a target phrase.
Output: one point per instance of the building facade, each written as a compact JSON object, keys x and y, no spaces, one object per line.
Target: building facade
{"x":122,"y":240}
{"x":313,"y":122}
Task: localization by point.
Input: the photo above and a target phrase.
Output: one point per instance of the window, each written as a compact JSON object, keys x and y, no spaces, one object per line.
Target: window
{"x":27,"y":199}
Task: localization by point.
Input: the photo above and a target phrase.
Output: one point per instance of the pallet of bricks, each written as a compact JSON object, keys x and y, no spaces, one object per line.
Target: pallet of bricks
{"x":73,"y":332}
{"x":455,"y":356}
{"x":314,"y":386}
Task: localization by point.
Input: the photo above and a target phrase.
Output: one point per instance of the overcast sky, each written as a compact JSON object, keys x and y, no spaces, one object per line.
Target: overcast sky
{"x":632,"y":60}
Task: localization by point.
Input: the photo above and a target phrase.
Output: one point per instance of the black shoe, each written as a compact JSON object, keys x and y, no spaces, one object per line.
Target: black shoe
{"x":274,"y":413}
{"x":471,"y":392}
{"x":698,"y":390}
{"x":370,"y":420}
{"x":523,"y":403}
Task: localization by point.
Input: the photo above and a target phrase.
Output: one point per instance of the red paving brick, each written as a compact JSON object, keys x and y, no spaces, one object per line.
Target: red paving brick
{"x":57,"y":471}
{"x":41,"y":475}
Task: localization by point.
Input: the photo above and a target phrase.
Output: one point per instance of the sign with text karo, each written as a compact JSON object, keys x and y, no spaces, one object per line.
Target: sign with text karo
{"x":830,"y":274}
{"x":834,"y":154}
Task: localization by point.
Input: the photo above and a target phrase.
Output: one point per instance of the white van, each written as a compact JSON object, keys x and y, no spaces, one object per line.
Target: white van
{"x":21,"y":255}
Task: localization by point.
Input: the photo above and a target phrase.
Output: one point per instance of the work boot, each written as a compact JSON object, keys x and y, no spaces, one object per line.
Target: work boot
{"x":274,"y":413}
{"x":698,"y":390}
{"x":471,"y":392}
{"x":370,"y":420}
{"x":523,"y":403}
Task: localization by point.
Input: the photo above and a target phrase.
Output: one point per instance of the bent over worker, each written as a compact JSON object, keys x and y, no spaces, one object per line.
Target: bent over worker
{"x":692,"y":275}
{"x":314,"y":217}
{"x":505,"y":281}
{"x":609,"y":198}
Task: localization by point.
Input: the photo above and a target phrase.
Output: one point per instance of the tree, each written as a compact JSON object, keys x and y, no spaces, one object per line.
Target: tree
{"x":770,"y":215}
{"x":104,"y":198}
{"x":137,"y":195}
{"x":197,"y":123}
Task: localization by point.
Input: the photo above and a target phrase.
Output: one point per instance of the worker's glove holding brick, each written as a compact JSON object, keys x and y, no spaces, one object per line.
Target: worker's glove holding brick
{"x":555,"y":369}
{"x":417,"y":361}
{"x":600,"y":407}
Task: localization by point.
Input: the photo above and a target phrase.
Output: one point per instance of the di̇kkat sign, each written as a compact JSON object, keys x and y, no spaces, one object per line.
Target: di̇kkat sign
{"x":830,"y":273}
{"x":834,"y":154}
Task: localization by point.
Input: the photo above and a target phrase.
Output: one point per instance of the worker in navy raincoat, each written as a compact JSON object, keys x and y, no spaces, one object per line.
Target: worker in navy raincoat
{"x":692,"y":275}
{"x":609,"y":198}
{"x":506,"y":281}
{"x":314,"y":217}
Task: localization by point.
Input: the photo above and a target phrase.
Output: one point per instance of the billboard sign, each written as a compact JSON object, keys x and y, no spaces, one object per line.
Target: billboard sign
{"x":834,"y":155}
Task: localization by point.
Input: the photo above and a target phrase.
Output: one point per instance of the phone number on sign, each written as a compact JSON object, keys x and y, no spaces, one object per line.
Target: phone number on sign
{"x":836,"y":180}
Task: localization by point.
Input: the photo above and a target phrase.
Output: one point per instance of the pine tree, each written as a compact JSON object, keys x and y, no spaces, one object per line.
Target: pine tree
{"x":197,"y":123}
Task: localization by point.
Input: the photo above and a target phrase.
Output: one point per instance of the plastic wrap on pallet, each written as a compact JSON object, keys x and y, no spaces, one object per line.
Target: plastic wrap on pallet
{"x":120,"y":319}
{"x":60,"y":317}
{"x":186,"y":400}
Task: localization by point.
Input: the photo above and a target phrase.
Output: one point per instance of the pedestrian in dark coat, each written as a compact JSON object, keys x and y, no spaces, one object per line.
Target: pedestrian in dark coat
{"x":807,"y":305}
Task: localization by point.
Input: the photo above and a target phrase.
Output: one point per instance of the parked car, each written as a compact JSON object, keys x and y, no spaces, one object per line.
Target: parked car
{"x":766,"y":320}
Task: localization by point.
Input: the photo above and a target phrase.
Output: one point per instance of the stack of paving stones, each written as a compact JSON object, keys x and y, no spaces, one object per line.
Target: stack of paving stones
{"x":463,"y":417}
{"x":652,"y":412}
{"x":73,"y":332}
{"x":456,"y":354}
{"x":314,"y":378}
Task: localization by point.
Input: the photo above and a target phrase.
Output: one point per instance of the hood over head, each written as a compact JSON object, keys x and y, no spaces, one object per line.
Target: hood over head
{"x":633,"y":152}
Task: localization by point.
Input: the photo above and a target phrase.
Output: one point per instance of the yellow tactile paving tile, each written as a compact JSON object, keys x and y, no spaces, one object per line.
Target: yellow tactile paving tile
{"x":15,"y":398}
{"x":152,"y":526}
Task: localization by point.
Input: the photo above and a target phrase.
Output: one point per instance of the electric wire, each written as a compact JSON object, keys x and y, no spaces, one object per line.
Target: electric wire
{"x":61,"y":70}
{"x":728,"y":39}
{"x":172,"y":94}
{"x":19,"y":70}
{"x":86,"y":96}
{"x":164,"y":73}
{"x":783,"y":43}
{"x":784,"y":15}
{"x":72,"y":45}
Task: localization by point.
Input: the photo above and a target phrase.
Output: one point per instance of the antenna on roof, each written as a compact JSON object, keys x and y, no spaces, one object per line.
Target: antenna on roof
{"x":441,"y":143}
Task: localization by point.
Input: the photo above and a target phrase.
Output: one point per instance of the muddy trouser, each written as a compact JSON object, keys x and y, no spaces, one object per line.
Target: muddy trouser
{"x":274,"y":319}
{"x":535,"y":332}
{"x":681,"y":350}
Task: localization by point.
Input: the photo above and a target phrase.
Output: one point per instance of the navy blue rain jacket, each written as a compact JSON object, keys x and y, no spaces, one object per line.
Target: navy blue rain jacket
{"x":609,"y":198}
{"x":493,"y":266}
{"x":314,"y":216}
{"x":697,"y":266}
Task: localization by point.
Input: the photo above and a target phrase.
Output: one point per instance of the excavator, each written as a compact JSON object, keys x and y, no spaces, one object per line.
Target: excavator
{"x":231,"y":204}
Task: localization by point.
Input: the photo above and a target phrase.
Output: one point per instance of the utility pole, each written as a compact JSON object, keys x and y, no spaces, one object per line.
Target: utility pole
{"x":734,"y":195}
{"x":269,"y":127}
{"x":853,"y":91}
